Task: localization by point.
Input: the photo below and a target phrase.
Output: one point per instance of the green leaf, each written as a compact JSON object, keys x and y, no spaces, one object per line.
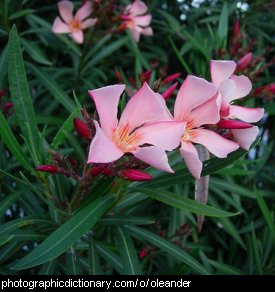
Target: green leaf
{"x":223,"y":24}
{"x":168,"y":247}
{"x":183,"y":203}
{"x":8,"y":201}
{"x":128,"y":253}
{"x":48,"y":268}
{"x":122,"y":219}
{"x":21,"y":13}
{"x":266,"y":213}
{"x":35,"y":52}
{"x":19,"y":89}
{"x":66,"y":235}
{"x":12,"y":144}
{"x":53,"y":87}
{"x":227,"y":269}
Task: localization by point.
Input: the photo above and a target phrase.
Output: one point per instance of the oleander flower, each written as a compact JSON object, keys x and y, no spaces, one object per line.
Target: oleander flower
{"x":198,"y":104}
{"x":74,"y":25}
{"x":230,"y":88}
{"x":145,"y":120}
{"x":137,"y":20}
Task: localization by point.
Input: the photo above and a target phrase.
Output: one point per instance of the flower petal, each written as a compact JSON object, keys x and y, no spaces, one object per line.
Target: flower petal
{"x":147,"y":31}
{"x":207,"y":113}
{"x":246,"y":114}
{"x":102,"y":149}
{"x":242,"y":86}
{"x":193,"y":92}
{"x":135,"y":34}
{"x":221,"y":70}
{"x":66,"y":10}
{"x":143,"y":107}
{"x":106,"y":101}
{"x":137,"y":8}
{"x":191,"y":158}
{"x":154,"y":156}
{"x":165,"y":135}
{"x":59,"y":26}
{"x":143,"y":21}
{"x":227,"y":89}
{"x":77,"y":36}
{"x":88,"y":23}
{"x":245,"y":137}
{"x":215,"y":143}
{"x":84,"y":11}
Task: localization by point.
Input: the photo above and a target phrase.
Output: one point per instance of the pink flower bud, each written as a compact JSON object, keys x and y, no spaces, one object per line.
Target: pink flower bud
{"x":7,"y":106}
{"x":271,"y":88}
{"x":47,"y":168}
{"x":169,"y":91}
{"x":244,"y":61}
{"x":233,"y":124}
{"x":136,"y":175}
{"x":260,"y":89}
{"x":145,"y":76}
{"x":82,"y":129}
{"x":171,"y":78}
{"x":236,"y":29}
{"x":125,"y":17}
{"x":142,"y":253}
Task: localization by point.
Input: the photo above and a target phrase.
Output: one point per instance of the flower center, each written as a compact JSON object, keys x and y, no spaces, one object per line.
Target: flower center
{"x":189,"y":132}
{"x":75,"y":25}
{"x":126,"y":140}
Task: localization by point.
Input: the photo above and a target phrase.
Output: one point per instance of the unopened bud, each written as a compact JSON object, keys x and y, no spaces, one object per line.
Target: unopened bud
{"x":169,"y":91}
{"x":136,"y":175}
{"x":236,"y":29}
{"x":143,"y":253}
{"x":145,"y":76}
{"x":171,"y":78}
{"x":271,"y":88}
{"x":47,"y":168}
{"x":7,"y":106}
{"x":233,"y":124}
{"x":243,"y":63}
{"x":82,"y":129}
{"x":97,"y":170}
{"x":118,"y":75}
{"x":132,"y":81}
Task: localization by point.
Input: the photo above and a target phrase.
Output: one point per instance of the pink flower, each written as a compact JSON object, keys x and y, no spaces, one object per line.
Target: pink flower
{"x":74,"y":25}
{"x":137,"y":20}
{"x":138,"y":126}
{"x":230,"y":88}
{"x":198,"y":104}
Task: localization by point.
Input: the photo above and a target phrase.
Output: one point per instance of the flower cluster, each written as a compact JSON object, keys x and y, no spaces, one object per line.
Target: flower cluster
{"x":135,"y":18}
{"x":204,"y":114}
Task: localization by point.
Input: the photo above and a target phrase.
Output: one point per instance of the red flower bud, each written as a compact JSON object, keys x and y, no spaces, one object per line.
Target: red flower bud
{"x":136,"y":175}
{"x":1,"y":93}
{"x":233,"y":124}
{"x":271,"y":88}
{"x":82,"y":129}
{"x":125,"y":17}
{"x":169,"y":91}
{"x":143,"y":253}
{"x":145,"y":76}
{"x":107,"y":171}
{"x":260,"y":89}
{"x":7,"y":106}
{"x":132,"y":81}
{"x":244,"y":61}
{"x":97,"y":170}
{"x":171,"y":78}
{"x":118,"y":75}
{"x":47,"y":168}
{"x":236,"y":29}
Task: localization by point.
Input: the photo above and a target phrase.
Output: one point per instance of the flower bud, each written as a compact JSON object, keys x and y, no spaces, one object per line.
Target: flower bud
{"x":145,"y":76}
{"x":233,"y":124}
{"x":1,"y":93}
{"x":7,"y":106}
{"x":82,"y":129}
{"x":236,"y":29}
{"x":136,"y":175}
{"x":47,"y":168}
{"x":97,"y":170}
{"x":118,"y":75}
{"x":143,"y":253}
{"x":243,"y":63}
{"x":171,"y":78}
{"x":271,"y":88}
{"x":169,"y":91}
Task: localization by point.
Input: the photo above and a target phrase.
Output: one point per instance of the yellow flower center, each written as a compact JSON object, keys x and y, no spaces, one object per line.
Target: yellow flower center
{"x":125,"y":139}
{"x":75,"y":25}
{"x":189,"y":132}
